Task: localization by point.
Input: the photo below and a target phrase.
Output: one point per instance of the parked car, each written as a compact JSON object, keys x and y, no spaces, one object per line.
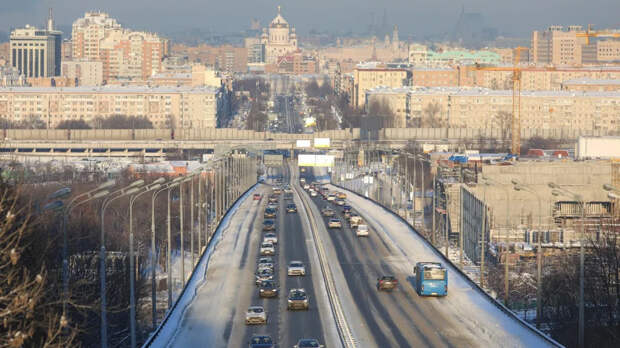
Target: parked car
{"x":297,"y":299}
{"x":296,"y":268}
{"x":388,"y":283}
{"x":255,"y":315}
{"x":334,"y":223}
{"x":362,"y":231}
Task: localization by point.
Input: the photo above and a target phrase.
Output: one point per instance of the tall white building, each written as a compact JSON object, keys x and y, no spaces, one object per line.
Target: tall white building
{"x":36,"y":52}
{"x":280,"y":40}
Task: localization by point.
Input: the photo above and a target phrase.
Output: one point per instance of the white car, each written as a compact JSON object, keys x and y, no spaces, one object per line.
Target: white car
{"x":270,"y":238}
{"x":334,"y":223}
{"x":355,"y":221}
{"x":306,"y":186}
{"x":331,"y":197}
{"x":313,"y":193}
{"x":362,"y":231}
{"x":296,"y":268}
{"x":267,"y":248}
{"x":255,"y":315}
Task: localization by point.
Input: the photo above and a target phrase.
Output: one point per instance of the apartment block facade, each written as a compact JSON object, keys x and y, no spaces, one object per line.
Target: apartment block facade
{"x":165,"y":107}
{"x":371,"y":75}
{"x":87,"y":73}
{"x":126,"y":55}
{"x":475,"y":107}
{"x":572,"y":45}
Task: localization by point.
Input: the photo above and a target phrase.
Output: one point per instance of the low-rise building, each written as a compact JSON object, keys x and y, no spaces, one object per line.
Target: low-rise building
{"x":87,"y":73}
{"x":165,"y":107}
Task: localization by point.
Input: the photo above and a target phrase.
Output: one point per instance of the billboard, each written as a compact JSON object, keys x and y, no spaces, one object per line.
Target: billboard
{"x":310,"y":160}
{"x":321,"y":142}
{"x":303,"y":143}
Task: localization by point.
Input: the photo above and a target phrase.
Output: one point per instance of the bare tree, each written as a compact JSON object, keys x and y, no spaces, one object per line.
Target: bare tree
{"x":29,"y":315}
{"x":73,"y":124}
{"x":382,"y":109}
{"x":123,"y":122}
{"x":430,"y":115}
{"x":32,"y":122}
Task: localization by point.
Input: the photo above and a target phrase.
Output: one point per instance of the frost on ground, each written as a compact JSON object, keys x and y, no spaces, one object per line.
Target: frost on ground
{"x":468,"y":308}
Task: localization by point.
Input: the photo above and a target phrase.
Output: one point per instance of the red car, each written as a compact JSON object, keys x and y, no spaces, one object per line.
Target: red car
{"x":257,"y":196}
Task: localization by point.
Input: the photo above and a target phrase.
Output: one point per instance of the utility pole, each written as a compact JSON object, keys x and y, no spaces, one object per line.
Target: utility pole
{"x":181,"y":230}
{"x":434,"y":206}
{"x":461,"y":229}
{"x":483,"y":232}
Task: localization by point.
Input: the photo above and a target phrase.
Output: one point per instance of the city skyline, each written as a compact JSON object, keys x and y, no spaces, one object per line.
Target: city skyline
{"x":437,"y":20}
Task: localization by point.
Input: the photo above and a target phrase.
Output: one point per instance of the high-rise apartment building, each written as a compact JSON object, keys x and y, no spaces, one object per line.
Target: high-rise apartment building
{"x":574,"y":46}
{"x":89,"y":31}
{"x":125,"y":54}
{"x":36,"y":52}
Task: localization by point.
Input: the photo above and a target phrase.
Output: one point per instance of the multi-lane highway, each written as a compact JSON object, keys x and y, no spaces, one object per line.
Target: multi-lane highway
{"x":217,"y":316}
{"x":345,"y":307}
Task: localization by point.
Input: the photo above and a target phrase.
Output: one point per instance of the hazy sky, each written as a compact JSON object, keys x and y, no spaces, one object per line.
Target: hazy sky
{"x":417,"y":17}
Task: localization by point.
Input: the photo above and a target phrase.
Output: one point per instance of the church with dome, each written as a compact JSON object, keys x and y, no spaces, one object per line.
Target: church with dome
{"x":279,"y":39}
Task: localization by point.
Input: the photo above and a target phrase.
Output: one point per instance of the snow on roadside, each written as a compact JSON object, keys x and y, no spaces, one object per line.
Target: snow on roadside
{"x":169,"y":327}
{"x":473,"y":311}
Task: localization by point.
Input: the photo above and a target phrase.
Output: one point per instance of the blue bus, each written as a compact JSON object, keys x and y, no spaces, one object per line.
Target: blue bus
{"x":431,"y":279}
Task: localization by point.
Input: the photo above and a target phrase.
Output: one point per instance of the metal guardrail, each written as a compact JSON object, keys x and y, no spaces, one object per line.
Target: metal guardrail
{"x":469,"y":280}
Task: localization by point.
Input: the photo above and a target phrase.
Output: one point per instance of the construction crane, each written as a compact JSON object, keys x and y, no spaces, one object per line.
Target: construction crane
{"x":597,"y":33}
{"x":515,"y":147}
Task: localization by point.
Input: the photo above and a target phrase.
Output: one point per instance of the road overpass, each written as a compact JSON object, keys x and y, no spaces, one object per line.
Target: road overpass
{"x":160,"y":142}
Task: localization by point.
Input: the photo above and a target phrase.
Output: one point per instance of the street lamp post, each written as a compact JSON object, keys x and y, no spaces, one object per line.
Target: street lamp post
{"x":98,"y":192}
{"x":168,"y":187}
{"x":132,"y":274}
{"x":559,"y":191}
{"x":127,"y":190}
{"x":520,"y":187}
